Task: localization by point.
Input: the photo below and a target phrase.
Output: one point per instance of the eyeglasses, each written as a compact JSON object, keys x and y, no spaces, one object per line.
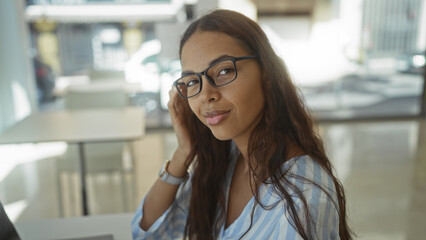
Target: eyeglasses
{"x":219,"y":74}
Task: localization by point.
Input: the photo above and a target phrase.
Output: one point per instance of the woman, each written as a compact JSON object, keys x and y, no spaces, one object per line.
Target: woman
{"x":258,"y":169}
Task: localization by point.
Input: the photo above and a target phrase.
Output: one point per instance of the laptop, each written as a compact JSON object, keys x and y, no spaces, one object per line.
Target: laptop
{"x":7,"y":230}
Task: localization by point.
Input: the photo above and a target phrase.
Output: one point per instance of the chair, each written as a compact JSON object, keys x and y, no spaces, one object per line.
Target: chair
{"x":100,"y":157}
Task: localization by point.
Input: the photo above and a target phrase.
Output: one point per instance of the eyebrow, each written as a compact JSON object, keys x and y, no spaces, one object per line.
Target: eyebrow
{"x":212,"y":62}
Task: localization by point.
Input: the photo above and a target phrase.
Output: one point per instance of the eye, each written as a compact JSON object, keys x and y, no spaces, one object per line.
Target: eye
{"x":225,"y":71}
{"x":192,"y":82}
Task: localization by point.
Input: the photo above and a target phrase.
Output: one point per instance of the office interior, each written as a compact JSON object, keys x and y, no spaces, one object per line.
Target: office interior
{"x":359,"y":65}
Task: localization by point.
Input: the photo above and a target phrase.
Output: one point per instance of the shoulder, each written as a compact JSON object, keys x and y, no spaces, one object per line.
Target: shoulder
{"x":306,"y":167}
{"x":308,"y":176}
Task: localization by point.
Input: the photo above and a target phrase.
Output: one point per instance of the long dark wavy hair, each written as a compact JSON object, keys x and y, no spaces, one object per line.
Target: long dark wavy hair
{"x":285,"y":122}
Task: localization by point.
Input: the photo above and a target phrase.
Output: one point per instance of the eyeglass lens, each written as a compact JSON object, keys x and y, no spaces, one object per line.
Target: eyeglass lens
{"x":220,"y":74}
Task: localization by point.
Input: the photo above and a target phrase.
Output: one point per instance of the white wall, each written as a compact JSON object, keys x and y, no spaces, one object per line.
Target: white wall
{"x":205,"y":6}
{"x":17,"y":84}
{"x":246,"y":7}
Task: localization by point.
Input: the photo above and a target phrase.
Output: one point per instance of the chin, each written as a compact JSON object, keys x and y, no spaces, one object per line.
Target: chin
{"x":221,"y":136}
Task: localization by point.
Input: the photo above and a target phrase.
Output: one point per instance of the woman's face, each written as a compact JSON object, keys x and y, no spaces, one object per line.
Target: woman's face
{"x":233,"y":110}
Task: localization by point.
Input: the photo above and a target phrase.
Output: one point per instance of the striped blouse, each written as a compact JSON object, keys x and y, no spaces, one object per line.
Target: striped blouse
{"x":267,"y":223}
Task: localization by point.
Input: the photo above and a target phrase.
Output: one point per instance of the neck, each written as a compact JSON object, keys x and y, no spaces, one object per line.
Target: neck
{"x":243,"y":158}
{"x":242,"y":140}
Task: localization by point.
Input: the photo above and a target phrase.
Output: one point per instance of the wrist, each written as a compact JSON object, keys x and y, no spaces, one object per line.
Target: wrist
{"x":172,"y":175}
{"x":181,"y":154}
{"x":177,"y":166}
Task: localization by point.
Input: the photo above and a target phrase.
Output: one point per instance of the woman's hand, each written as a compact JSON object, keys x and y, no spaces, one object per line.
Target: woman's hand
{"x":178,"y":115}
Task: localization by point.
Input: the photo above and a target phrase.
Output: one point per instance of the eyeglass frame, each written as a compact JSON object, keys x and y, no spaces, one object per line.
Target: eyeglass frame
{"x":209,"y":79}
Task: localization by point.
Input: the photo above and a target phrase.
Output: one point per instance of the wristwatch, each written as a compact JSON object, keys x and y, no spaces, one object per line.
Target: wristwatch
{"x":166,"y":177}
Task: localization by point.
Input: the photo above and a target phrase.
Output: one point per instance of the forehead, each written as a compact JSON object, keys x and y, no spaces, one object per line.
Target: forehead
{"x":203,"y":47}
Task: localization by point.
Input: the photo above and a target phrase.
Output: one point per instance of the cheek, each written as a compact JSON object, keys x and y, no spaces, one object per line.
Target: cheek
{"x":252,"y":100}
{"x":251,"y":95}
{"x":194,"y":107}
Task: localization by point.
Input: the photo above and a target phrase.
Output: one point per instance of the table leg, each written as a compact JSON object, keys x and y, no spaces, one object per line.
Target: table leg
{"x":82,"y":169}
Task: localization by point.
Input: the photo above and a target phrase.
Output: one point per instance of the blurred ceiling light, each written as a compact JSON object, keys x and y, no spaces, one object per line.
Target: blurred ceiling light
{"x":105,"y":13}
{"x":419,"y":60}
{"x":110,"y":36}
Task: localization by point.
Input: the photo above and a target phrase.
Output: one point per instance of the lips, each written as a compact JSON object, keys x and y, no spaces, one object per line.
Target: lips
{"x":216,"y":117}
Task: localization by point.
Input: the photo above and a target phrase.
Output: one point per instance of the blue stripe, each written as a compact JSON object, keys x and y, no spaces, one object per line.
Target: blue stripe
{"x":335,"y":225}
{"x":165,"y":225}
{"x":272,"y":224}
{"x":291,"y":233}
{"x":179,"y":217}
{"x":269,"y":214}
{"x":328,"y":210}
{"x":178,"y":231}
{"x":314,"y":203}
{"x":326,"y":220}
{"x":301,"y":171}
{"x":244,"y":218}
{"x":156,"y":235}
{"x":334,"y":210}
{"x":277,"y":232}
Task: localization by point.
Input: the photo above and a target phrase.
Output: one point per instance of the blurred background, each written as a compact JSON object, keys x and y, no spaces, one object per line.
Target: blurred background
{"x":359,"y":64}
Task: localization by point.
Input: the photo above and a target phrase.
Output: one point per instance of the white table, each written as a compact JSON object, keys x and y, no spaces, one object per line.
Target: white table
{"x":117,"y":225}
{"x":79,"y":126}
{"x":65,"y":83}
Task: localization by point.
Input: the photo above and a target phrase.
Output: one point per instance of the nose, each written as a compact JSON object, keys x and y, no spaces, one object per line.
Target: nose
{"x":208,"y":92}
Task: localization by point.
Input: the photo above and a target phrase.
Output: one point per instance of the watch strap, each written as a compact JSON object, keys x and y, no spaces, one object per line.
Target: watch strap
{"x":166,"y":177}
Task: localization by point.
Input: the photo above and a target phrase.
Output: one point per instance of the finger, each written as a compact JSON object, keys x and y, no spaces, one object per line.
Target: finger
{"x":171,"y":105}
{"x":172,"y":97}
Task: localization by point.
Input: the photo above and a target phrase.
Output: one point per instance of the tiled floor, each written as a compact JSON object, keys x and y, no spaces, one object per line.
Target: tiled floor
{"x":379,"y":165}
{"x":382,"y":165}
